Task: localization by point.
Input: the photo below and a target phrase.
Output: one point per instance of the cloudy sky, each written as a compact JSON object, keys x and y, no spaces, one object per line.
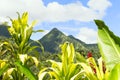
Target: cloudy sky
{"x":73,"y":17}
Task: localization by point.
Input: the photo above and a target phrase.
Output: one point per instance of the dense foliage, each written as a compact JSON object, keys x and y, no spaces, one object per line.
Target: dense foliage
{"x":21,"y":61}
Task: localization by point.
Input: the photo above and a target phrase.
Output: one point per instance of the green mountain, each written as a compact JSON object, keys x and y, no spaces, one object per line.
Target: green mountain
{"x":93,"y":47}
{"x":55,"y":37}
{"x":3,"y":31}
{"x":51,"y":41}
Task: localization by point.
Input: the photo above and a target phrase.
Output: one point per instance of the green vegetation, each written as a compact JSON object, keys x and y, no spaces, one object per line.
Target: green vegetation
{"x":55,"y":37}
{"x":64,"y":70}
{"x":109,"y":45}
{"x":24,"y":59}
{"x":16,"y":61}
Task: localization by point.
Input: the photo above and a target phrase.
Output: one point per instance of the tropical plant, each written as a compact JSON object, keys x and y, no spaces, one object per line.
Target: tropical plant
{"x":19,"y":63}
{"x":109,"y":45}
{"x":93,"y":70}
{"x":64,"y":70}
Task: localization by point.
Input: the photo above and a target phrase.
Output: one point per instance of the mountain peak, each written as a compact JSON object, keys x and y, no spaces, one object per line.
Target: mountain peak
{"x":52,"y":40}
{"x":54,"y":29}
{"x":71,"y":36}
{"x":55,"y":32}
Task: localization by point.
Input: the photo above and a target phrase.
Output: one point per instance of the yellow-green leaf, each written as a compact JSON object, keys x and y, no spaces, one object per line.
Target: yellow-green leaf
{"x":35,"y":60}
{"x":23,"y":57}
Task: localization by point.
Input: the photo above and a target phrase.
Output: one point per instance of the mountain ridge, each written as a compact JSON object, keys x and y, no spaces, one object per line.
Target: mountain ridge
{"x":52,"y":40}
{"x":55,"y":37}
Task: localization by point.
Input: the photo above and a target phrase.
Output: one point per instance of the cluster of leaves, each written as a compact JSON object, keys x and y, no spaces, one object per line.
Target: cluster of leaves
{"x":14,"y":65}
{"x":19,"y":63}
{"x":109,"y":45}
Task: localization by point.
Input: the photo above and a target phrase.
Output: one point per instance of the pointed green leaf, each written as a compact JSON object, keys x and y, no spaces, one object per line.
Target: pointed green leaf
{"x":71,"y":53}
{"x":109,"y":45}
{"x":64,"y":48}
{"x":35,"y":31}
{"x":100,"y":63}
{"x":25,"y":70}
{"x":24,"y":18}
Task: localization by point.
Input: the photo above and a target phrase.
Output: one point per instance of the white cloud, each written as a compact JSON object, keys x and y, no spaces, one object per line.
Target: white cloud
{"x":68,"y":28}
{"x":100,"y":5}
{"x":87,"y":35}
{"x":55,"y":12}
